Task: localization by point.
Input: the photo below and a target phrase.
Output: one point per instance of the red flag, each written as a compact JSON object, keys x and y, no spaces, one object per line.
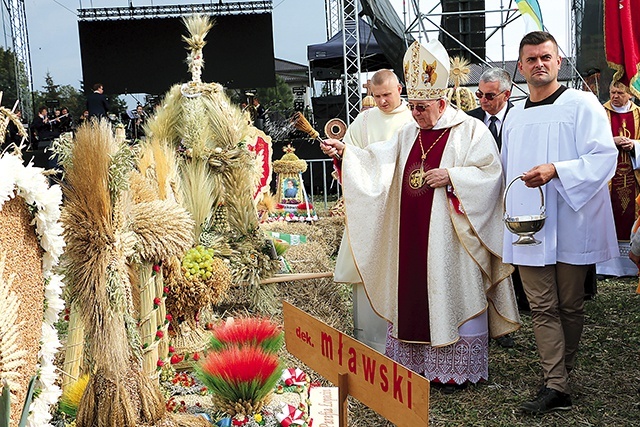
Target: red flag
{"x":622,"y":47}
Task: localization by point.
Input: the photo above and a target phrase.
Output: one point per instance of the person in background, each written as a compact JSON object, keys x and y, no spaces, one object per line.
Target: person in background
{"x":140,"y":119}
{"x":559,"y":137}
{"x":260,"y":114}
{"x":494,"y":90}
{"x":12,"y":136}
{"x":375,"y":124}
{"x":66,"y":121}
{"x":624,"y":117}
{"x":83,"y":118}
{"x":97,"y":104}
{"x":41,"y":131}
{"x":425,"y":231}
{"x":42,"y":137}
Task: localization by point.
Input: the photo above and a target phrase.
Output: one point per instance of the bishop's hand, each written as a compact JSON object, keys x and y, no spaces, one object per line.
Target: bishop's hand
{"x":436,"y":178}
{"x":332,"y":148}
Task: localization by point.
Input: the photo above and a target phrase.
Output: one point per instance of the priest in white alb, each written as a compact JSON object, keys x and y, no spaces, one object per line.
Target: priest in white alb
{"x":624,"y":187}
{"x":373,"y":125}
{"x":424,"y":223}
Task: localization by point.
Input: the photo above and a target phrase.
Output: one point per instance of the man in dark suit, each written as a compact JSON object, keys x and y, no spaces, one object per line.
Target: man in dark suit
{"x":493,"y":93}
{"x":260,"y":114}
{"x":42,"y":136}
{"x":97,"y":103}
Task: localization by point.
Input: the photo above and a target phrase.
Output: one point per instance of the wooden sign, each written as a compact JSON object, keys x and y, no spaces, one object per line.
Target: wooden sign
{"x":390,"y":389}
{"x":324,"y":409}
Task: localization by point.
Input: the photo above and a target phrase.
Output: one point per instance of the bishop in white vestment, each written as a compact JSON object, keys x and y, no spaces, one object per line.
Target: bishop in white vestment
{"x":425,"y":228}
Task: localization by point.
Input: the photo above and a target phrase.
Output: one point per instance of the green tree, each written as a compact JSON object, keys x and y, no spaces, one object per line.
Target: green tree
{"x":51,"y":89}
{"x":73,"y":100}
{"x":117,"y":105}
{"x":51,"y":92}
{"x":279,"y":98}
{"x":8,"y":77}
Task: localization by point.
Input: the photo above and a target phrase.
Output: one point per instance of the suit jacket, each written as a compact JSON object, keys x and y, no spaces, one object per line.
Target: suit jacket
{"x":479,"y":113}
{"x":97,"y":105}
{"x":41,"y":130}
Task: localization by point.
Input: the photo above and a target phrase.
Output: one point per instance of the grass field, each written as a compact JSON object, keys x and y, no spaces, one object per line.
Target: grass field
{"x":605,"y":382}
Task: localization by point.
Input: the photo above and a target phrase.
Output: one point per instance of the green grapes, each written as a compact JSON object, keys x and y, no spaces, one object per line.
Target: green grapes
{"x":198,"y":263}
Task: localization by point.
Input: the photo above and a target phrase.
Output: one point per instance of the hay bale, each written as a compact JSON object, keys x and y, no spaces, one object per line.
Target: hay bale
{"x":24,"y":260}
{"x":326,"y":231}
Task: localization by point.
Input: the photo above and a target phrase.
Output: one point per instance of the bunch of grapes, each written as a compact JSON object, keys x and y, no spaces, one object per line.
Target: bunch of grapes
{"x":198,"y":263}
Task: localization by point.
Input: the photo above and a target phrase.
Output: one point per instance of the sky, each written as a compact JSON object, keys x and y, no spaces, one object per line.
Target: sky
{"x":52,"y":27}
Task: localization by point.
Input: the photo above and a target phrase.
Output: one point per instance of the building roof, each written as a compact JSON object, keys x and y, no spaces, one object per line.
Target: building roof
{"x":291,"y":72}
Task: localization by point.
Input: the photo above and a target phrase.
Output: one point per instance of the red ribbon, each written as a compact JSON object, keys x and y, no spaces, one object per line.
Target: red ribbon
{"x":293,"y":376}
{"x":290,"y":415}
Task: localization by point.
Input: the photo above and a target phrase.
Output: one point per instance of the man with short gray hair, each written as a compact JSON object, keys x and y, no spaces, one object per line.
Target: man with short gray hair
{"x":493,"y":94}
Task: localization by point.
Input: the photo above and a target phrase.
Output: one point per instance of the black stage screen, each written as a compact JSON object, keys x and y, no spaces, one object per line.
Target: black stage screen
{"x":148,"y":55}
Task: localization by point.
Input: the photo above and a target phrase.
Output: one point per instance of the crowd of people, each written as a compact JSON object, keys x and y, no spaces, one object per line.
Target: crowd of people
{"x":438,"y":268}
{"x":50,"y":122}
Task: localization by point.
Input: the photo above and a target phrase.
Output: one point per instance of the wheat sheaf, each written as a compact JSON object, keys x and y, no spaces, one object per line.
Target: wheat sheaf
{"x":11,"y":357}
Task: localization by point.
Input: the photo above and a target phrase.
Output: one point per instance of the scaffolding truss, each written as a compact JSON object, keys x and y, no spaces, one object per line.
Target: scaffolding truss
{"x":20,"y":40}
{"x":351,"y":53}
{"x":333,"y":16}
{"x":173,"y":11}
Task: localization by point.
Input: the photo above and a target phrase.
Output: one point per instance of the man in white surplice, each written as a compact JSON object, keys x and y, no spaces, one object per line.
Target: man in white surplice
{"x":561,"y":138}
{"x":372,"y":125}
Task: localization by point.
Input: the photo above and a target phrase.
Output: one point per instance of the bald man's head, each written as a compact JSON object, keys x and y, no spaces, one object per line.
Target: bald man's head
{"x":386,"y":90}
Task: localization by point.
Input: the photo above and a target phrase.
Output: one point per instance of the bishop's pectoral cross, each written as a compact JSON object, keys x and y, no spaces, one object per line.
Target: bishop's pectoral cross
{"x":624,"y":132}
{"x":417,"y":178}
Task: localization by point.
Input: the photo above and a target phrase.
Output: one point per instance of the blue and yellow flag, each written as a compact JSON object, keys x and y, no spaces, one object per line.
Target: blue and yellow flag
{"x":530,"y":11}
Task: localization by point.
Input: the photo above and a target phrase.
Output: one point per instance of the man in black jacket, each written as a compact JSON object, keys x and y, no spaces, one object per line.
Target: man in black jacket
{"x":494,"y":90}
{"x":493,"y":93}
{"x":97,"y":103}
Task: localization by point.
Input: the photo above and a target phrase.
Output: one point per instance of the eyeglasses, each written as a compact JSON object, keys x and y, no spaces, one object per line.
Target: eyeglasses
{"x":489,"y":96}
{"x":420,"y":107}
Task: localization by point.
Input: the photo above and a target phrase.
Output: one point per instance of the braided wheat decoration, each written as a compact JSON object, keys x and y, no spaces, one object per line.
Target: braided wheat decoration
{"x":198,"y":27}
{"x":11,"y":357}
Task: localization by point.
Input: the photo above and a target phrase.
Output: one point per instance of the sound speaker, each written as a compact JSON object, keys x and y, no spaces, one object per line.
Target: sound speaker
{"x":326,"y":108}
{"x":468,"y":29}
{"x":298,"y":105}
{"x":325,"y":73}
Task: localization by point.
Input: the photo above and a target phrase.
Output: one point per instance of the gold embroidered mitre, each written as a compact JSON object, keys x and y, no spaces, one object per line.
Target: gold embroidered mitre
{"x":426,"y":70}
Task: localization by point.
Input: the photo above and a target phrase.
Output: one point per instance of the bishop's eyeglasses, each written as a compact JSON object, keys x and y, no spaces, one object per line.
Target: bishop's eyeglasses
{"x":421,"y":108}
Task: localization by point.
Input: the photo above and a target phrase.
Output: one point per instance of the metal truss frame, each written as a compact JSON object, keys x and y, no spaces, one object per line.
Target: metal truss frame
{"x":172,"y":11}
{"x":20,"y":39}
{"x":333,"y":17}
{"x":577,"y":18}
{"x":352,"y":93}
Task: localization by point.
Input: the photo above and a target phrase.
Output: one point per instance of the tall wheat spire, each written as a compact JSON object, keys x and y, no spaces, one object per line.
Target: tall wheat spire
{"x":198,"y":27}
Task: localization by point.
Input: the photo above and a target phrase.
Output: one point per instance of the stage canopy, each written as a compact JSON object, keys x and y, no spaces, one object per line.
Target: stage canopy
{"x":329,"y":55}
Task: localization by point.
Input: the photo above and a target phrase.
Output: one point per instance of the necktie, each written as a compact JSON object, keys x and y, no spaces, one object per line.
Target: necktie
{"x":493,"y":128}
